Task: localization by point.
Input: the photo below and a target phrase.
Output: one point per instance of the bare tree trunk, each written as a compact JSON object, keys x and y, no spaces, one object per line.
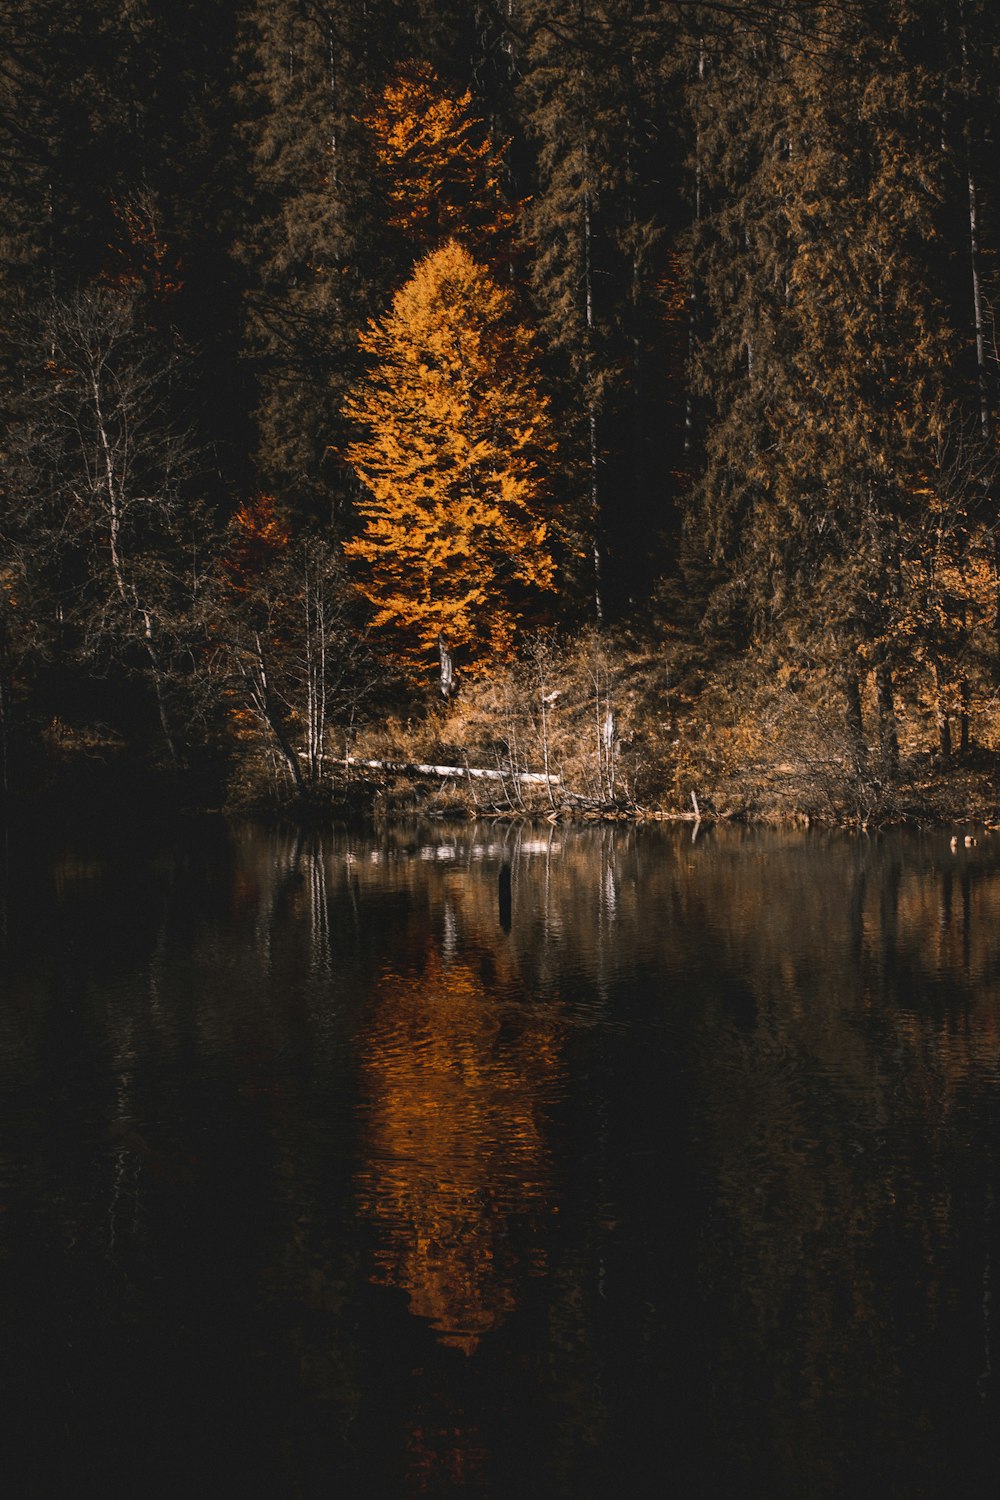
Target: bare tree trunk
{"x":127,"y":593}
{"x":608,"y":731}
{"x":974,"y":246}
{"x":588,"y":296}
{"x":159,"y":684}
{"x":111,"y":487}
{"x":321,"y":715}
{"x":693,"y":295}
{"x":314,"y":621}
{"x":257,"y":679}
{"x":543,"y":695}
{"x":977,"y":303}
{"x":310,"y":675}
{"x":975,"y":261}
{"x":595,"y":516}
{"x":965,"y":716}
{"x":447,"y":668}
{"x":941,"y":713}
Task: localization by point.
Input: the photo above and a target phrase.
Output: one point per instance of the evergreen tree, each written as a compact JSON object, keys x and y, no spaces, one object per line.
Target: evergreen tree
{"x":441,"y":168}
{"x":310,"y":243}
{"x":828,"y":356}
{"x":592,"y":98}
{"x":455,"y":547}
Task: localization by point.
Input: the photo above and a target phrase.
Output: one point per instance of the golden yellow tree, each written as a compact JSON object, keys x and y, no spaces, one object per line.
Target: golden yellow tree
{"x":442,"y":168}
{"x":455,"y":547}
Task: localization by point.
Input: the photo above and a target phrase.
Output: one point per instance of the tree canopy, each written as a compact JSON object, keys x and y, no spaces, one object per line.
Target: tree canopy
{"x":675,"y":319}
{"x":455,"y":542}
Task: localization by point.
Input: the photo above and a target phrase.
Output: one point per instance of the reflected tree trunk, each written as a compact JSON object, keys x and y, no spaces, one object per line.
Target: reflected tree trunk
{"x":504,"y":896}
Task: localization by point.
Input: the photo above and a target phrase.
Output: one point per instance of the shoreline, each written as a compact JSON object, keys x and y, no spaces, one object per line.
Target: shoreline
{"x":964,"y":795}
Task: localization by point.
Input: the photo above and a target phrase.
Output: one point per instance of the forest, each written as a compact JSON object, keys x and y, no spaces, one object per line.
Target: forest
{"x":601,"y":394}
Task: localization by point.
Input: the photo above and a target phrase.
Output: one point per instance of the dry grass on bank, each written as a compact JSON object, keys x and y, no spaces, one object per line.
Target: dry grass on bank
{"x":765,"y":742}
{"x":590,"y":715}
{"x":621,"y":732}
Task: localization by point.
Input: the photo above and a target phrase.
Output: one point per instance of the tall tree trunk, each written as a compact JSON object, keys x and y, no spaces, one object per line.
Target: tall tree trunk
{"x":595,"y":497}
{"x":975,"y":256}
{"x":977,"y":301}
{"x":447,"y":668}
{"x":595,"y":515}
{"x":693,"y":293}
{"x":854,"y":719}
{"x":258,"y":682}
{"x":965,"y":716}
{"x":888,"y":731}
{"x":941,"y":712}
{"x":975,"y":260}
{"x":126,"y":591}
{"x":315,"y":630}
{"x":159,"y":684}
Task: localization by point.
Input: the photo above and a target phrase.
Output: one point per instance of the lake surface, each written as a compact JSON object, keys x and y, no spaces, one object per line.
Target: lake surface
{"x":500,"y":1162}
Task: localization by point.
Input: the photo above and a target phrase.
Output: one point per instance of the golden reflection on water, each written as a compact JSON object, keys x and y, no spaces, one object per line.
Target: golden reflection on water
{"x":454,"y":1160}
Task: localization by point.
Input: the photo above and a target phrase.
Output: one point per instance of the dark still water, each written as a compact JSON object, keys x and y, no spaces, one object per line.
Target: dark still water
{"x":502,"y":1163}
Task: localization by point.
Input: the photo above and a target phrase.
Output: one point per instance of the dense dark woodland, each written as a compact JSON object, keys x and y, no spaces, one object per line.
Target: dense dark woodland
{"x":626,"y":369}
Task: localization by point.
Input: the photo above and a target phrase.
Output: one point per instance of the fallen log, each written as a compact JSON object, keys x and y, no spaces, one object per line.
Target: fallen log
{"x":471,"y":773}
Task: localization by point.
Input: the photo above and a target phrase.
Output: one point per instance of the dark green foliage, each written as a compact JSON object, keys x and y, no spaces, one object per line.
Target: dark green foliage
{"x":594,"y":96}
{"x":309,"y":242}
{"x":829,"y":358}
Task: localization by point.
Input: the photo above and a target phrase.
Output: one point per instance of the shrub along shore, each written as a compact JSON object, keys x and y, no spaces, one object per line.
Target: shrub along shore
{"x":594,"y":727}
{"x":599,"y":727}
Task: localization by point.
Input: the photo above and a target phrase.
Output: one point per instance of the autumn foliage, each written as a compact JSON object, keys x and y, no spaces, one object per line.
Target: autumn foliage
{"x":302,"y":251}
{"x":455,"y":434}
{"x":257,"y":539}
{"x":442,"y":168}
{"x":141,"y":258}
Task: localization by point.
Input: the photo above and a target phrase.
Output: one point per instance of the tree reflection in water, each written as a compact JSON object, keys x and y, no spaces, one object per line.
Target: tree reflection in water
{"x":332,"y":1167}
{"x":453,"y":1150}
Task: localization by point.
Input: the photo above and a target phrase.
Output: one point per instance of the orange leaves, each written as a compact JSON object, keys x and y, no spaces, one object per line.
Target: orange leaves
{"x":435,"y":1082}
{"x":257,"y":537}
{"x":442,"y":169}
{"x":454,"y":431}
{"x":142,"y":258}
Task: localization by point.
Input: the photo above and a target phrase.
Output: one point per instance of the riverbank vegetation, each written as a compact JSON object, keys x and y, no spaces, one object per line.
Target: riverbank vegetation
{"x":603,"y":394}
